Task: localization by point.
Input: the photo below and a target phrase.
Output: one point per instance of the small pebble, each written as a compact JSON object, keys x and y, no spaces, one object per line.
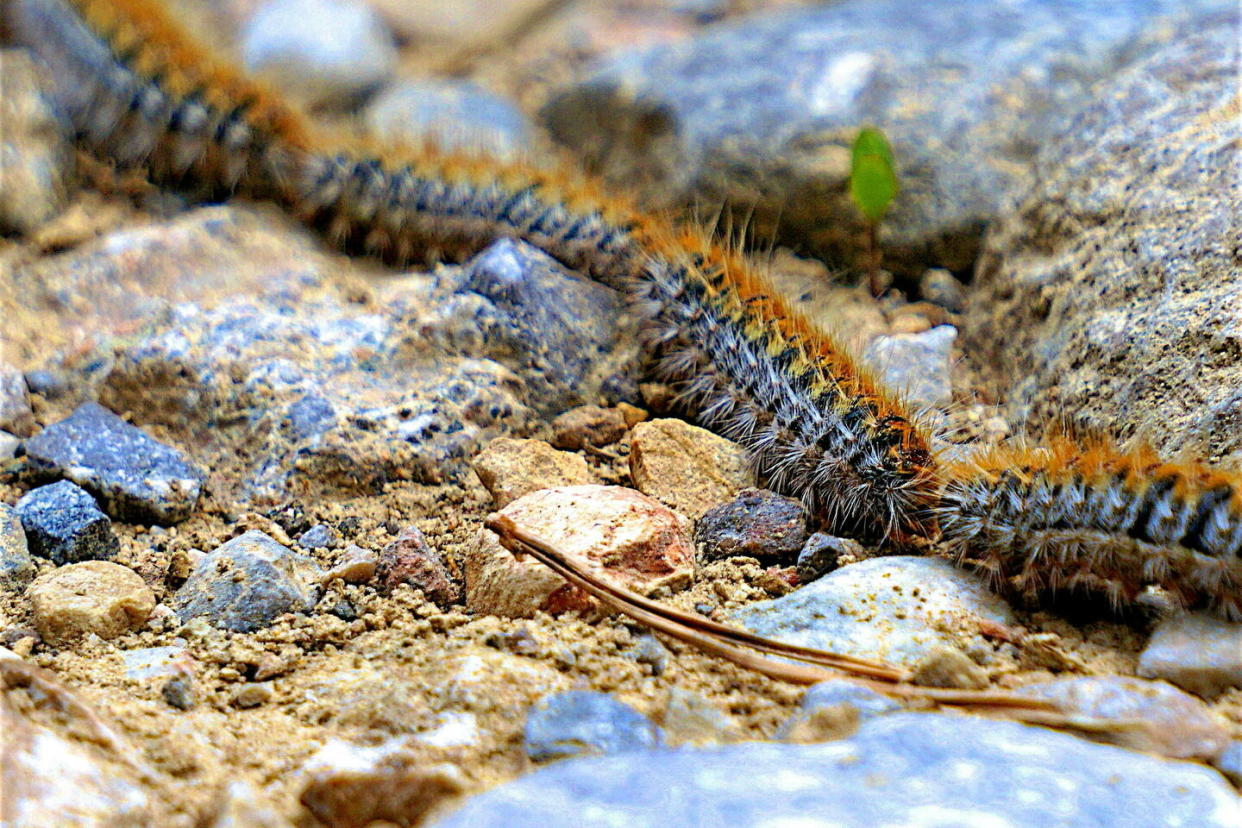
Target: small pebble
{"x":686,"y":467}
{"x":1201,"y":653}
{"x":452,"y":114}
{"x":411,"y":560}
{"x":915,"y":365}
{"x":47,"y":384}
{"x":180,"y":692}
{"x":1230,"y":762}
{"x":98,"y":597}
{"x":691,"y":719}
{"x":585,"y":723}
{"x":588,"y":425}
{"x":949,"y":667}
{"x":156,"y":662}
{"x":36,"y":156}
{"x":940,"y":287}
{"x":833,"y":710}
{"x":63,"y":523}
{"x":9,"y":444}
{"x":357,"y":566}
{"x":648,"y":650}
{"x":16,"y":566}
{"x":757,"y":523}
{"x":510,"y":468}
{"x":134,"y":477}
{"x":15,"y":412}
{"x":822,"y":554}
{"x":318,"y":537}
{"x":252,"y":694}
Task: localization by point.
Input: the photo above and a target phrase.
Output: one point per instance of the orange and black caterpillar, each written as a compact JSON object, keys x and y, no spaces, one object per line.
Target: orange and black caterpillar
{"x":742,"y":362}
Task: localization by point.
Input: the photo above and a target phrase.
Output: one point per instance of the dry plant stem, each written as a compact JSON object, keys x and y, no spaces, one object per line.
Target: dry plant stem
{"x":873,"y":258}
{"x":717,"y":639}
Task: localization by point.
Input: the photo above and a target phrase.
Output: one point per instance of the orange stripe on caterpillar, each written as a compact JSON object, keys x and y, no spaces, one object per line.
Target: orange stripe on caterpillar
{"x":1091,"y":518}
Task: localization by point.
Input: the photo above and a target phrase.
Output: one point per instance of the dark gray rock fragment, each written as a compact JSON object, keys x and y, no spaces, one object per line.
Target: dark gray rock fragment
{"x":63,"y":523}
{"x":757,"y":523}
{"x":136,"y":478}
{"x":822,"y":554}
{"x":583,"y":723}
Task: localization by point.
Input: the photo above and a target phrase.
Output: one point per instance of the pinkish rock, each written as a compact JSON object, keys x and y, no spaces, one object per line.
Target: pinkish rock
{"x":411,"y":560}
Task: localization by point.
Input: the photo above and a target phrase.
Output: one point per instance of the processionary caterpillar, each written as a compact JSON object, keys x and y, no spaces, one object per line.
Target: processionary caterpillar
{"x":741,"y":361}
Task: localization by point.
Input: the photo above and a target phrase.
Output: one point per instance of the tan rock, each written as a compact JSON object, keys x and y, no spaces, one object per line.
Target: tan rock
{"x":588,"y":425}
{"x":510,"y":468}
{"x":98,"y":597}
{"x":686,"y":467}
{"x":630,"y":538}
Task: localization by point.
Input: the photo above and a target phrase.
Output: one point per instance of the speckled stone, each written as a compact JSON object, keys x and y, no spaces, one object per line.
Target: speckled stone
{"x":62,"y":522}
{"x":822,"y":554}
{"x":510,"y":468}
{"x":411,"y":560}
{"x":915,"y":365}
{"x":1109,"y":291}
{"x":902,"y":769}
{"x":757,"y":523}
{"x":686,"y":467}
{"x":896,"y":609}
{"x":1199,"y":652}
{"x":98,"y":597}
{"x":760,"y":112}
{"x":35,"y":155}
{"x":452,"y":114}
{"x":134,"y":477}
{"x":16,"y":565}
{"x":585,"y":723}
{"x":246,"y":583}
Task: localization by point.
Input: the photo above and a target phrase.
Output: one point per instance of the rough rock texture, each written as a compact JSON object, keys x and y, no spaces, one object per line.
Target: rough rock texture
{"x":630,"y":538}
{"x":762,"y":111}
{"x":135,"y":478}
{"x":16,"y":415}
{"x":62,"y":522}
{"x":757,"y":523}
{"x":1109,"y":294}
{"x":16,"y":565}
{"x":686,"y":467}
{"x":589,"y":425}
{"x":915,"y":365}
{"x":585,"y":723}
{"x":244,"y":584}
{"x":903,"y":769}
{"x":1198,"y":652}
{"x":35,"y":154}
{"x":896,"y":609}
{"x":411,"y":560}
{"x":822,"y":554}
{"x":510,"y":468}
{"x":98,"y":597}
{"x":452,"y":114}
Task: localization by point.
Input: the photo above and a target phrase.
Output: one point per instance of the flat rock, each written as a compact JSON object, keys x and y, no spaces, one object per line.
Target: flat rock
{"x":585,"y":723}
{"x":451,"y":114}
{"x":902,"y":769}
{"x":757,"y":523}
{"x":510,"y":468}
{"x":63,"y":523}
{"x":761,"y":112}
{"x":1108,"y":291}
{"x":135,"y":478}
{"x":98,"y":597}
{"x":246,"y":583}
{"x":36,"y":155}
{"x":630,"y":538}
{"x":686,"y":467}
{"x":16,"y":565}
{"x":1201,"y":653}
{"x":896,"y":609}
{"x":1163,"y":719}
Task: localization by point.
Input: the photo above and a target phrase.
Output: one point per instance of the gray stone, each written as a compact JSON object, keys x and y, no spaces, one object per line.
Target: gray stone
{"x":325,"y":52}
{"x":1160,"y":718}
{"x":63,"y":523}
{"x":584,"y":723}
{"x":1230,"y":762}
{"x":155,"y":662}
{"x":16,"y":566}
{"x":897,"y":609}
{"x":319,"y":536}
{"x":915,"y":365}
{"x":822,"y":554}
{"x":135,"y":478}
{"x":940,"y":287}
{"x":902,"y":769}
{"x":452,"y":114}
{"x":757,"y":524}
{"x":761,"y":112}
{"x":180,"y":692}
{"x":831,"y":693}
{"x":9,"y":444}
{"x":246,"y":583}
{"x":1108,"y":292}
{"x":15,"y":412}
{"x":1198,"y":652}
{"x":35,"y":155}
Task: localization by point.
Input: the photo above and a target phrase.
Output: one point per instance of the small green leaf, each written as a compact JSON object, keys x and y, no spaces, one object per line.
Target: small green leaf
{"x":873,"y":182}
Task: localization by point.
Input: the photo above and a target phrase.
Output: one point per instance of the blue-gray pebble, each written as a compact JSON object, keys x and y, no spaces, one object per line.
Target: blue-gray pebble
{"x":63,"y":523}
{"x":584,"y":723}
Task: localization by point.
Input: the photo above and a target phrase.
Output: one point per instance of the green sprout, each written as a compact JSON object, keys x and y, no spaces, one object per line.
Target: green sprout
{"x":873,"y":183}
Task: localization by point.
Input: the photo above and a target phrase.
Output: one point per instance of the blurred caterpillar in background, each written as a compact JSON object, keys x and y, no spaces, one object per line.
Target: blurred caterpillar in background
{"x":1060,"y":516}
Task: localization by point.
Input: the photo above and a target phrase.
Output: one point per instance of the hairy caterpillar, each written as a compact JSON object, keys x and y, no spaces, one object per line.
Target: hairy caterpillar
{"x":741,"y":361}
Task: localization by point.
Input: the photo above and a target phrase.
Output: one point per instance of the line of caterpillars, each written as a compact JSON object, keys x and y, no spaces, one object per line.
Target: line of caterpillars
{"x":1062,"y":516}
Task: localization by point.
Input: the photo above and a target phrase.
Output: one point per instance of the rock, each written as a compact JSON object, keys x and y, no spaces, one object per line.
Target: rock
{"x":949,"y":667}
{"x":98,"y":597}
{"x":16,"y":565}
{"x":156,"y":662}
{"x":690,"y":719}
{"x":50,"y":385}
{"x":627,"y":537}
{"x":35,"y":156}
{"x":1160,"y":718}
{"x":757,"y":524}
{"x":822,"y":554}
{"x":1198,"y":652}
{"x":585,"y":723}
{"x":15,"y":412}
{"x":357,"y":566}
{"x":63,"y":523}
{"x":648,"y":650}
{"x":252,"y":694}
{"x":761,"y":112}
{"x":903,"y":769}
{"x":327,"y":53}
{"x":1109,"y":290}
{"x":246,"y":583}
{"x":510,"y":468}
{"x":352,"y":786}
{"x":686,"y":467}
{"x":588,"y":425}
{"x":494,"y":682}
{"x":940,"y":287}
{"x":915,"y":365}
{"x":135,"y":478}
{"x":896,"y":609}
{"x":9,"y":444}
{"x":1230,"y":762}
{"x":833,"y":710}
{"x":451,"y":114}
{"x":452,"y":730}
{"x":458,"y":22}
{"x":318,"y":537}
{"x":410,"y":560}
{"x":180,"y":692}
